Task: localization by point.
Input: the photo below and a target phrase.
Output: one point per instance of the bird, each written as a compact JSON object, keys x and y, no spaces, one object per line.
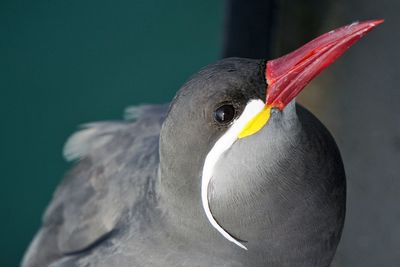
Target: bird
{"x":232,"y":172}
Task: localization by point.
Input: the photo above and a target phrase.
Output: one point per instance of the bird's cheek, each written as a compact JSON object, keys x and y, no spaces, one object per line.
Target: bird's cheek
{"x":233,"y":176}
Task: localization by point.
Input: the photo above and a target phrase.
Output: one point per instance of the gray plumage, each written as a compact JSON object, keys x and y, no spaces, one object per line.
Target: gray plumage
{"x":133,"y":198}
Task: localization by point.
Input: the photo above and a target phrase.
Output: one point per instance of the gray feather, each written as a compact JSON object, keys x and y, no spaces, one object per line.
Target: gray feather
{"x":144,"y":111}
{"x":116,"y":161}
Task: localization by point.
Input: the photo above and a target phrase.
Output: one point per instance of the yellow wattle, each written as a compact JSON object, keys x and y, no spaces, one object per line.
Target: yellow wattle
{"x":256,"y":123}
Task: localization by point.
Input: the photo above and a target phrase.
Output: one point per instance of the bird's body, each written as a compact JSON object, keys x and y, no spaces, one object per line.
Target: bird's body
{"x":207,"y":181}
{"x":110,"y":209}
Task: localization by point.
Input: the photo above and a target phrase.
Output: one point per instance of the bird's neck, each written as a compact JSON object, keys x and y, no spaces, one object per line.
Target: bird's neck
{"x":179,"y":183}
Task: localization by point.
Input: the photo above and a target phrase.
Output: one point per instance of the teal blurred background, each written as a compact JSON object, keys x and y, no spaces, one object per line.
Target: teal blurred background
{"x":64,"y":63}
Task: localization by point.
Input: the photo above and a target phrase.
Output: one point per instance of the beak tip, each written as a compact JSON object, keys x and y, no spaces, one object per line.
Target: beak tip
{"x":376,"y":22}
{"x":288,"y":75}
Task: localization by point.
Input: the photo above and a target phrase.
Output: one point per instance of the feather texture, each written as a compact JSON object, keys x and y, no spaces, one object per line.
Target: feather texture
{"x":116,"y":167}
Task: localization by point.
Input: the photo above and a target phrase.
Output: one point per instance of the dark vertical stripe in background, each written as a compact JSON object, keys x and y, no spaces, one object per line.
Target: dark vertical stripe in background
{"x":249,"y":28}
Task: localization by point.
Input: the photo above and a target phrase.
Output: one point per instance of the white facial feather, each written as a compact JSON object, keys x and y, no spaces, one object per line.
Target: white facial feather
{"x":252,"y":108}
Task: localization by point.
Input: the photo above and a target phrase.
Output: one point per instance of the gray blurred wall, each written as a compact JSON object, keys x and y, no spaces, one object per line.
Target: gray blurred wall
{"x":364,"y":114}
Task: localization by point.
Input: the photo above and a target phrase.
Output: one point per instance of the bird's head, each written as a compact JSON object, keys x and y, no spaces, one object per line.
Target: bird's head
{"x":238,"y":152}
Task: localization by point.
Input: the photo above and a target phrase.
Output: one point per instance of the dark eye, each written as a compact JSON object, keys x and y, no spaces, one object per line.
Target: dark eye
{"x":224,"y":114}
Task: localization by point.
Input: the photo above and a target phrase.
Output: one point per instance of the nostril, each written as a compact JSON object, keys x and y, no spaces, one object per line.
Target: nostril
{"x":275,"y":110}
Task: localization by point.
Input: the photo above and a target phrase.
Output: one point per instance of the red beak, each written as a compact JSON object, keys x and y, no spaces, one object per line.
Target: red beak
{"x":288,"y":75}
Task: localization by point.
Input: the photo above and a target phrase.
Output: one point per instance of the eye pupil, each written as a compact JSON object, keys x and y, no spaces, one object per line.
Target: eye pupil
{"x":224,"y":114}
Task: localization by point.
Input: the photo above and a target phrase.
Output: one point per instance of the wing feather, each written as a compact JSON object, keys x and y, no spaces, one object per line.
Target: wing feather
{"x":115,"y":161}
